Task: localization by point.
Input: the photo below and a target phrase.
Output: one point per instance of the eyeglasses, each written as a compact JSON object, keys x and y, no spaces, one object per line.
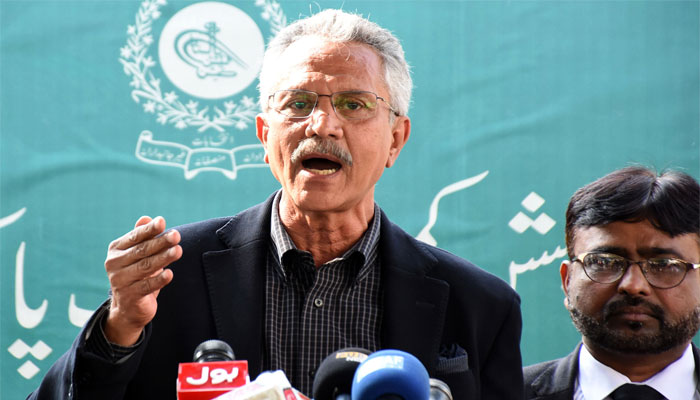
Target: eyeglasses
{"x":661,"y":273}
{"x":351,"y":105}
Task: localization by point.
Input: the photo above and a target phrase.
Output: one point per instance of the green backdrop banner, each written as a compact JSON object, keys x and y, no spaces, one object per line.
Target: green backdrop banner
{"x":114,"y":109}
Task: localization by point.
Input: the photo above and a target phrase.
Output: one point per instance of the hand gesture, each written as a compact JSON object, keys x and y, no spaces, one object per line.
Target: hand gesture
{"x":135,"y":266}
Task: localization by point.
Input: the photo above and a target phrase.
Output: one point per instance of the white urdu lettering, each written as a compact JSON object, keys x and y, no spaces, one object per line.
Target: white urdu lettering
{"x":220,"y":375}
{"x":201,"y":380}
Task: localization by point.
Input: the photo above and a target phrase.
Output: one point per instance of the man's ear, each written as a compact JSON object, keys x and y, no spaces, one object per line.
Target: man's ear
{"x":565,"y":273}
{"x":399,"y":133}
{"x":261,"y":131}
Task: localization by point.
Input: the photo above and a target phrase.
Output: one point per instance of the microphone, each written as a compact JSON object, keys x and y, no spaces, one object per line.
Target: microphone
{"x":213,"y":372}
{"x":213,"y":350}
{"x":334,"y":375}
{"x":391,"y":374}
{"x":439,"y":390}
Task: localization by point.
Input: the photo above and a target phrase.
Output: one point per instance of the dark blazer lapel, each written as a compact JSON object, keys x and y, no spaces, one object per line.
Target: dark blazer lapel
{"x":414,"y":304}
{"x":236,"y":280}
{"x":557,"y":381}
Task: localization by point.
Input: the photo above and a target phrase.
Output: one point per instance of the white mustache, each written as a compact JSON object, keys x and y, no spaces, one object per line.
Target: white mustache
{"x":323,"y":146}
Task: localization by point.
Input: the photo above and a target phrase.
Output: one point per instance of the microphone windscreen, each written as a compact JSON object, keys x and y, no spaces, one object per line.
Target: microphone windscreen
{"x":391,"y":374}
{"x":335,"y":373}
{"x":213,"y":350}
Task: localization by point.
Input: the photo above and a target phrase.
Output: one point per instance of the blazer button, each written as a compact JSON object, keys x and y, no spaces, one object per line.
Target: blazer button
{"x":318,"y":303}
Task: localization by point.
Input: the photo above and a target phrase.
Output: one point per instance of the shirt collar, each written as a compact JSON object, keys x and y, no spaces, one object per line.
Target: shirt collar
{"x":283,"y":242}
{"x":676,"y":381}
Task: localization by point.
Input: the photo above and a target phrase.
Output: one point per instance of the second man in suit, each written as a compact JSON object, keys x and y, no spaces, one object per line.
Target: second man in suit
{"x":632,"y":289}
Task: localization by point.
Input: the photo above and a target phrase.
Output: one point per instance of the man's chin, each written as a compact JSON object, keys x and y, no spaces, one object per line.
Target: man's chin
{"x":626,"y":343}
{"x":635,"y":337}
{"x":313,"y":200}
{"x":633,"y":328}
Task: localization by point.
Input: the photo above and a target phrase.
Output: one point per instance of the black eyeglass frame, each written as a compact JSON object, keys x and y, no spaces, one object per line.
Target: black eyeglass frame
{"x":330,"y":96}
{"x":643,"y":266}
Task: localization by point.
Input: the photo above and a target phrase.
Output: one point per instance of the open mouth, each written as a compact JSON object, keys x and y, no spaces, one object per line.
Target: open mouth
{"x":320,"y":166}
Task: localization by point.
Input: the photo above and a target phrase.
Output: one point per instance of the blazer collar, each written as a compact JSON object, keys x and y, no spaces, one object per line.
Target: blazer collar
{"x":415,"y":303}
{"x":558,"y":379}
{"x":560,"y":376}
{"x":237,"y":291}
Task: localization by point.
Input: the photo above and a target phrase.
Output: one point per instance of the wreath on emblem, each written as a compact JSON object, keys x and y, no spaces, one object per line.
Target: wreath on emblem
{"x":167,"y":107}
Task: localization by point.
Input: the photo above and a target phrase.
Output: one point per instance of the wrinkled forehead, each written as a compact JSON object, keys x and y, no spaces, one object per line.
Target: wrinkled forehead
{"x":344,"y":66}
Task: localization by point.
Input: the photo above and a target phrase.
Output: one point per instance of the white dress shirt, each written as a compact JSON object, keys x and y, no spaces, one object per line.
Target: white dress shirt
{"x":596,"y":380}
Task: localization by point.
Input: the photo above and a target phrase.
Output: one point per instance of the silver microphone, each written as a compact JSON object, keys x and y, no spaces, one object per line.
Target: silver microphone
{"x":439,"y":390}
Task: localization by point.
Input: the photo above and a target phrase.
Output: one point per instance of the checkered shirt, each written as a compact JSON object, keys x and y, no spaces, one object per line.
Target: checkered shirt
{"x":311,"y":312}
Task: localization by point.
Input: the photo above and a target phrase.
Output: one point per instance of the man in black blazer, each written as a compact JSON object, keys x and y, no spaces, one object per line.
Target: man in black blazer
{"x":315,"y":268}
{"x":633,"y":291}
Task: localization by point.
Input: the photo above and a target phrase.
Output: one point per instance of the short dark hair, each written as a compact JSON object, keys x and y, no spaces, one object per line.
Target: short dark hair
{"x":670,"y":201}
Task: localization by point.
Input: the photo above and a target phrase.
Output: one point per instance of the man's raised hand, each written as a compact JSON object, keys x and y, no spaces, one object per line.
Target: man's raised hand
{"x":135,"y":266}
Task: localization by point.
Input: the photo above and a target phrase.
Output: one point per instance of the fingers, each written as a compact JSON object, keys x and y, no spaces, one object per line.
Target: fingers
{"x":145,"y":229}
{"x":143,"y":221}
{"x":147,"y":286}
{"x":124,"y":273}
{"x":135,"y":266}
{"x":141,"y":254}
{"x":143,"y":251}
{"x":155,"y":283}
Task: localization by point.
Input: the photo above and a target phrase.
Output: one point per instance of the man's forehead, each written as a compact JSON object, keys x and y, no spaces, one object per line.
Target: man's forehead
{"x":320,"y":81}
{"x":313,"y":60}
{"x":635,"y":237}
{"x":317,"y":49}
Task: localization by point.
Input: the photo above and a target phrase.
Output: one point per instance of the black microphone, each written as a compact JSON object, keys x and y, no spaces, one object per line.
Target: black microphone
{"x":213,"y":350}
{"x":334,"y":375}
{"x":213,"y":372}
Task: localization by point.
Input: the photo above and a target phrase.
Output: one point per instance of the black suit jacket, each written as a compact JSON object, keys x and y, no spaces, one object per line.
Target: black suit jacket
{"x":463,"y":323}
{"x":555,"y":379}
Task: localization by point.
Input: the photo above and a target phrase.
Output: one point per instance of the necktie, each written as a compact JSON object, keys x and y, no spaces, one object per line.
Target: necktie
{"x":629,"y":391}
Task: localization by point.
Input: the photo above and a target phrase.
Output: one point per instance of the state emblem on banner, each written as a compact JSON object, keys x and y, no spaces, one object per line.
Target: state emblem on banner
{"x":209,"y":56}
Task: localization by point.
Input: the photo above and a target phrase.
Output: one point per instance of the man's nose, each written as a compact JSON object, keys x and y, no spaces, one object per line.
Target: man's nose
{"x":324,"y":121}
{"x":634,"y":282}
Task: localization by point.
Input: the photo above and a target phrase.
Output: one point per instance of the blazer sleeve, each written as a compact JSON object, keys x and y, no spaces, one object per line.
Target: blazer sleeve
{"x":82,"y":375}
{"x":501,"y":374}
